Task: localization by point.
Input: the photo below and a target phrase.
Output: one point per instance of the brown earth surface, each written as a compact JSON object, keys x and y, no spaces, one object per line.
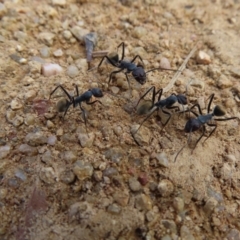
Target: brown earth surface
{"x":62,"y":180}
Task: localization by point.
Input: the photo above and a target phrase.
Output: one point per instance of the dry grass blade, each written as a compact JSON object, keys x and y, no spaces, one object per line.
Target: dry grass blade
{"x":180,"y":70}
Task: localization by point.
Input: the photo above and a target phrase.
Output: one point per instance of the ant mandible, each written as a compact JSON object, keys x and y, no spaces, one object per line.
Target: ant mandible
{"x":163,"y":104}
{"x":85,"y":97}
{"x":138,"y":72}
{"x":194,"y":124}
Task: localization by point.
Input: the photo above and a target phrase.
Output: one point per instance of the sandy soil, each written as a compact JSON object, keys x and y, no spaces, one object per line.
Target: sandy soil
{"x":62,"y":180}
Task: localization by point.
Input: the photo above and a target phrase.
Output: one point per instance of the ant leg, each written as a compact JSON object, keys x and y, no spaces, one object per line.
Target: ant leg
{"x":66,"y":111}
{"x":169,"y":115}
{"x":123,"y":49}
{"x":114,"y":72}
{"x":84,"y":116}
{"x":64,"y":90}
{"x":203,"y":131}
{"x":211,"y":125}
{"x":199,"y":109}
{"x":129,"y":86}
{"x":225,"y":119}
{"x":153,"y":98}
{"x":159,"y":93}
{"x":210,"y":102}
{"x":112,"y":62}
{"x":90,"y":103}
{"x":137,"y":56}
{"x":146,"y":119}
{"x":188,"y":141}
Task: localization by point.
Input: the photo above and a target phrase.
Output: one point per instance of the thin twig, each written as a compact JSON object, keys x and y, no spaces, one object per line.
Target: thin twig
{"x":182,"y":67}
{"x":99,"y":54}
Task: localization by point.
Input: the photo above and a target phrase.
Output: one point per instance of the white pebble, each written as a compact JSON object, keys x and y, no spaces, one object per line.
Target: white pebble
{"x":50,"y":69}
{"x":16,"y":104}
{"x":52,"y":140}
{"x":58,"y":53}
{"x":59,"y":2}
{"x":72,"y":71}
{"x":203,"y":58}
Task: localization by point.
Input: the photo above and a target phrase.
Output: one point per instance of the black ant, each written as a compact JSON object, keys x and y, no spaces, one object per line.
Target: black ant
{"x":63,"y":106}
{"x":163,"y":104}
{"x":137,"y":71}
{"x":194,"y":124}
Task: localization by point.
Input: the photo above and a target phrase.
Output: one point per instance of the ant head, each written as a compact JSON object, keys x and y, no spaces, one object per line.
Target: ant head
{"x":97,"y":92}
{"x":139,"y":75}
{"x":218,"y":111}
{"x":182,"y":99}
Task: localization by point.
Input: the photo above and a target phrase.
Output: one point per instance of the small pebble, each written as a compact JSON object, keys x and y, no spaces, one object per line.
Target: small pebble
{"x":18,"y":59}
{"x":169,"y":224}
{"x":16,"y":104}
{"x":143,"y":202}
{"x":82,"y":64}
{"x":47,"y":157}
{"x":67,"y":176}
{"x":164,"y":63}
{"x":162,"y":159}
{"x":83,"y":170}
{"x":97,"y":176}
{"x":203,"y":58}
{"x":185,"y":233}
{"x":121,"y":197}
{"x":4,"y":151}
{"x":68,"y":156}
{"x":79,"y":33}
{"x":114,"y":208}
{"x":59,"y":2}
{"x":114,"y":154}
{"x":47,"y":175}
{"x":50,"y":124}
{"x":72,"y":71}
{"x":45,"y":52}
{"x":58,"y":53}
{"x":50,"y":69}
{"x":197,"y":83}
{"x":34,"y":67}
{"x":235,"y":72}
{"x":165,"y":188}
{"x":210,"y":205}
{"x":36,"y":139}
{"x":86,"y":140}
{"x":142,"y":137}
{"x":224,"y":82}
{"x":139,"y":32}
{"x":134,"y":184}
{"x":52,"y":140}
{"x":109,"y":172}
{"x":27,"y":149}
{"x":30,"y":95}
{"x":21,"y":174}
{"x":47,"y":38}
{"x":67,"y":34}
{"x":3,"y":10}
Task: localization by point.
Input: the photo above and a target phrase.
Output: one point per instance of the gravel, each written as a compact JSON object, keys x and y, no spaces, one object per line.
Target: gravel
{"x":62,"y":179}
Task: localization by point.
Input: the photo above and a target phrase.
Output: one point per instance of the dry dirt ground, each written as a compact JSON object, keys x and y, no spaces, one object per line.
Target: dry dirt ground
{"x":59,"y":181}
